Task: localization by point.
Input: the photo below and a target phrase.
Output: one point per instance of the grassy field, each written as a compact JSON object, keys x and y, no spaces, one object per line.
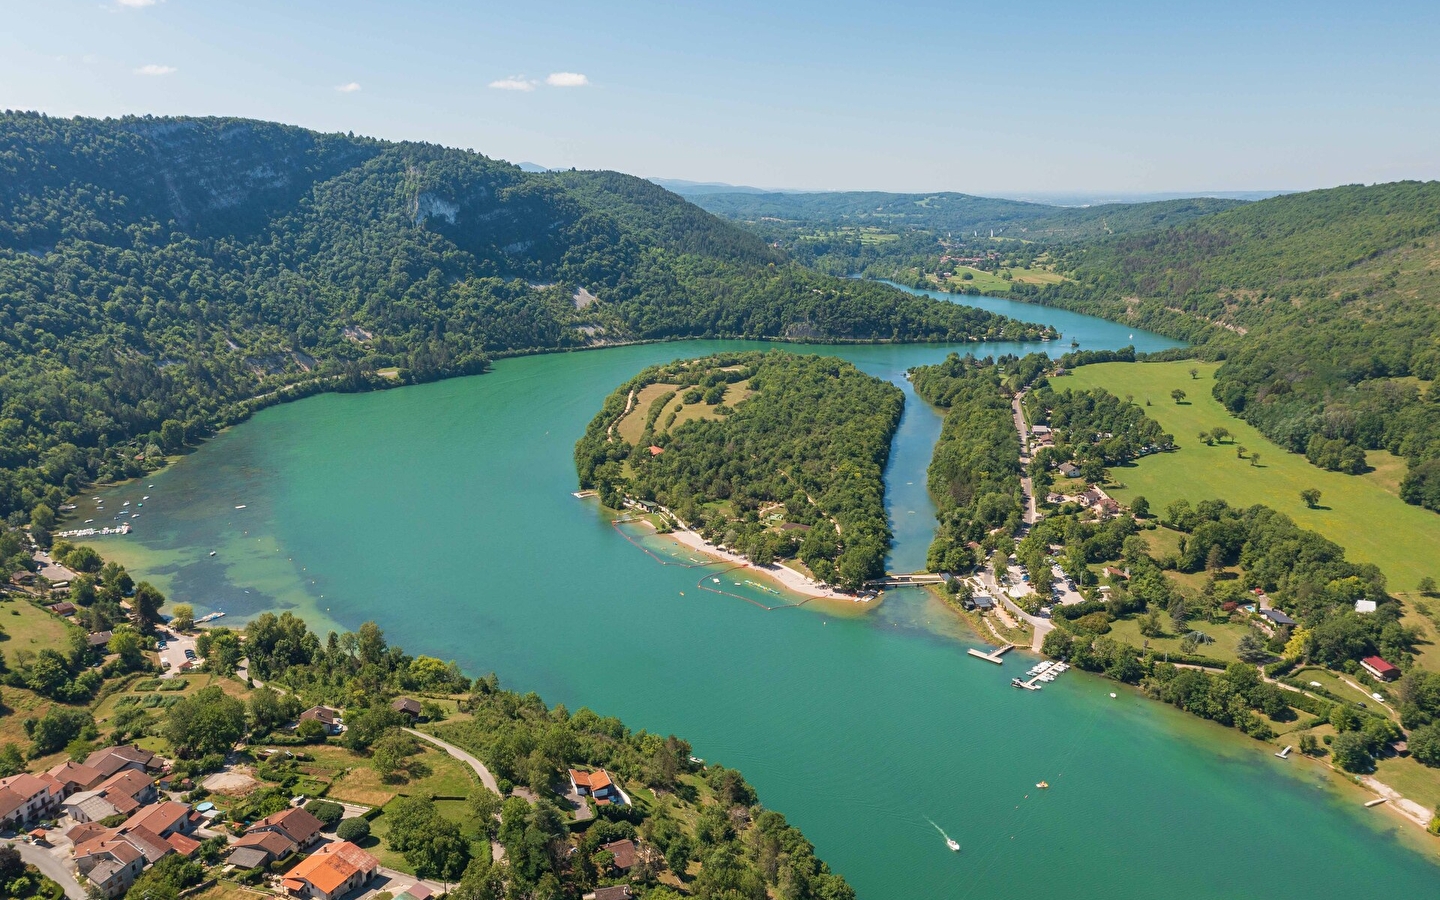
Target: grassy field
{"x":632,"y":424}
{"x":1357,"y":512}
{"x":28,"y":627}
{"x":352,"y":779}
{"x":1226,"y":637}
{"x":992,"y":283}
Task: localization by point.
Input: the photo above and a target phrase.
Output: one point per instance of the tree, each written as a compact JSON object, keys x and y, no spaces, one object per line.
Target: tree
{"x":1194,"y":373}
{"x":1177,"y":395}
{"x":485,"y":806}
{"x":172,"y":435}
{"x":1255,"y":459}
{"x":327,"y":811}
{"x":11,"y":864}
{"x":310,"y":731}
{"x":1351,"y":752}
{"x":1308,"y":745}
{"x":389,"y":753}
{"x":1220,"y":433}
{"x":126,"y":644}
{"x":1426,"y":585}
{"x":182,"y":617}
{"x":1251,"y":648}
{"x":353,"y":830}
{"x":1311,"y":497}
{"x":1215,"y":559}
{"x":12,"y":761}
{"x":59,"y":726}
{"x":1425,"y":744}
{"x":42,"y":517}
{"x":84,"y":559}
{"x":146,"y":603}
{"x":1240,"y":450}
{"x":208,"y":722}
{"x":1140,"y":507}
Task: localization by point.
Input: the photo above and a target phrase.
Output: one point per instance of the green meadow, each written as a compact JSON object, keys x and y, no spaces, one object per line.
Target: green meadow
{"x":1361,"y":513}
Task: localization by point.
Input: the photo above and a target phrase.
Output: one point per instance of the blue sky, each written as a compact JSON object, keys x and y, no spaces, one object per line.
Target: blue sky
{"x":985,"y":98}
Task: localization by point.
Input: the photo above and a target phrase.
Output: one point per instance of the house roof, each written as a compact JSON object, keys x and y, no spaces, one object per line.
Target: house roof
{"x":295,"y":823}
{"x":112,"y":759}
{"x":128,"y":784}
{"x":272,"y":842}
{"x":623,"y":851}
{"x":614,"y":892}
{"x":26,"y":785}
{"x":78,"y":774}
{"x":406,"y":705}
{"x":100,"y":638}
{"x":147,"y":842}
{"x":158,"y":817}
{"x":82,"y":833}
{"x":247,"y":858}
{"x":1278,"y":617}
{"x":322,"y":714}
{"x":594,"y":781}
{"x":332,"y":865}
{"x":64,"y":608}
{"x":93,"y":805}
{"x":9,"y":802}
{"x":183,"y":844}
{"x":124,"y":851}
{"x":1379,"y":665}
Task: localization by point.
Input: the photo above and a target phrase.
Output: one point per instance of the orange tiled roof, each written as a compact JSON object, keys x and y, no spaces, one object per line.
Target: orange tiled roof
{"x":332,"y":865}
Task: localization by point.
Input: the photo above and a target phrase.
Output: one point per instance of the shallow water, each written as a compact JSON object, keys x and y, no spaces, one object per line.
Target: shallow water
{"x":444,"y":512}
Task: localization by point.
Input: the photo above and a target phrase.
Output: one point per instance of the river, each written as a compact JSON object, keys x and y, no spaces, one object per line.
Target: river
{"x":444,"y":513}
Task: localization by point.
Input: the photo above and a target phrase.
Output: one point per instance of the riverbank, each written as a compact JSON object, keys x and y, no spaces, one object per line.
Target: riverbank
{"x":786,"y":577}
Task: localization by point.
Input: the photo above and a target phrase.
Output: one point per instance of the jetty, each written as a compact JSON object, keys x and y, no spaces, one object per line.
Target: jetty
{"x":1046,"y":671}
{"x":1284,"y":754}
{"x":93,"y":532}
{"x":906,"y":579}
{"x":994,"y":656}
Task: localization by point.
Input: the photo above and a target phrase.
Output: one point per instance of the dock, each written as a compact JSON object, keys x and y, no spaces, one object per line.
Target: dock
{"x":994,"y":656}
{"x":1285,"y":754}
{"x":1376,"y":802}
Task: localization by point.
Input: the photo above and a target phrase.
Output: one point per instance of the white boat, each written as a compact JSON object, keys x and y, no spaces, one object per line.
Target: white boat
{"x":88,"y":521}
{"x":212,"y":552}
{"x":241,"y":506}
{"x":952,"y":844}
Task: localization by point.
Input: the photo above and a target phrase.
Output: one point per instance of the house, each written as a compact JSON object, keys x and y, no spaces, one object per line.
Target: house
{"x":99,"y":638}
{"x":1069,"y":470}
{"x":331,"y":871}
{"x":1108,"y":507}
{"x":269,"y":845}
{"x":614,"y":892}
{"x":164,"y":818}
{"x":415,"y":892}
{"x":1092,"y":497}
{"x":623,"y":852}
{"x":24,"y":576}
{"x":598,"y":785}
{"x":75,"y":776}
{"x":63,"y":608}
{"x":122,"y":793}
{"x":1379,"y":668}
{"x":330,"y":718}
{"x":983,"y":602}
{"x":111,"y":866}
{"x":1112,"y":572}
{"x":1364,"y":606}
{"x":298,"y":826}
{"x":1277,"y":617}
{"x":407,"y":707}
{"x":116,"y":759}
{"x":655,"y":450}
{"x":26,"y":798}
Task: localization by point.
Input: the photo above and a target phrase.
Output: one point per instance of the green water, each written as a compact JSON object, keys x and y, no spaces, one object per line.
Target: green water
{"x":444,"y":513}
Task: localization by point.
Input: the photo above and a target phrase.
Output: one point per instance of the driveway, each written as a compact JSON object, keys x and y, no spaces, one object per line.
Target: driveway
{"x":485,"y":777}
{"x":51,"y":867}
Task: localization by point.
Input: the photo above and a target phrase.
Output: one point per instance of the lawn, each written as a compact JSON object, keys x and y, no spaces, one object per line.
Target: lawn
{"x":352,"y":778}
{"x":28,"y":627}
{"x":1357,"y":512}
{"x":1226,"y":637}
{"x":992,"y":283}
{"x":1415,"y":781}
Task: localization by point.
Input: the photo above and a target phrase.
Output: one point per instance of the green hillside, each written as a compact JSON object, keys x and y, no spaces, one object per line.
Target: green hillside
{"x":1325,"y":307}
{"x":181,"y":270}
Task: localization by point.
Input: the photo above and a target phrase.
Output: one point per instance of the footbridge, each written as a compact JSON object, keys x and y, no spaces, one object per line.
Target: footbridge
{"x":905,"y":579}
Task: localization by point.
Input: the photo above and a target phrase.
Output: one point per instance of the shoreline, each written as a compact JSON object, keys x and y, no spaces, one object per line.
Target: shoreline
{"x":787,"y":577}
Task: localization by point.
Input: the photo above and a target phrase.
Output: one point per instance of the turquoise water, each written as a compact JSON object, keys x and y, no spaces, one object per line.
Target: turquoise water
{"x":444,"y":513}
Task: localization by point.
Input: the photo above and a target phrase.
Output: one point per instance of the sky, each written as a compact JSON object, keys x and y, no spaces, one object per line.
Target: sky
{"x":989,"y":98}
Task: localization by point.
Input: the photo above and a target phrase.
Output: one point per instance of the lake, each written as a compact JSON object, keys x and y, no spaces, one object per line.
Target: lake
{"x":444,"y":513}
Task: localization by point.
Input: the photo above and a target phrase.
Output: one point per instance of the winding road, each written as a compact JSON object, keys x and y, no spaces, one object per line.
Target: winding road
{"x":485,"y":777}
{"x":51,"y":867}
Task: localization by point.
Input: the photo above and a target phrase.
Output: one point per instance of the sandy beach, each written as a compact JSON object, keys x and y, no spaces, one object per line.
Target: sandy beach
{"x":790,"y":579}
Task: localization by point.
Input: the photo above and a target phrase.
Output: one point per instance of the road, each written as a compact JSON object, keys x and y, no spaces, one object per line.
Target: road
{"x":51,"y":867}
{"x":1040,"y":625}
{"x":485,"y":777}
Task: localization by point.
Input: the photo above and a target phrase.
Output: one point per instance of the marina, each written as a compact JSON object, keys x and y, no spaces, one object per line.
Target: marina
{"x":1046,"y":672}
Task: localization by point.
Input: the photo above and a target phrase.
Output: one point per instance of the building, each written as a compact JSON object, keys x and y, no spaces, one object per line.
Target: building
{"x":164,"y":818}
{"x":624,"y":853}
{"x":99,"y":639}
{"x":1277,"y":617}
{"x":407,"y":707}
{"x":983,"y":602}
{"x":1069,"y":470}
{"x":333,"y":870}
{"x":64,"y":608}
{"x":598,"y":785}
{"x":26,"y":798}
{"x":614,"y":892}
{"x":332,"y":720}
{"x":265,"y":846}
{"x":116,"y":759}
{"x":75,"y":776}
{"x":296,"y":825}
{"x":111,"y":866}
{"x":1364,"y":606}
{"x":1380,"y":668}
{"x":121,"y":794}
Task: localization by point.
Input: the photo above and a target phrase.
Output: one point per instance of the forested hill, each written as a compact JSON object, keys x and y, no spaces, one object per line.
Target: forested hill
{"x":946,"y":212}
{"x":1325,"y":306}
{"x":158,"y":270}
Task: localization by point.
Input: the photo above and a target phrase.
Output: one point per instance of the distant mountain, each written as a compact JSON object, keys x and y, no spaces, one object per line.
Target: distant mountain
{"x":686,"y":188}
{"x":1100,"y":198}
{"x":531,"y":167}
{"x":186,"y":270}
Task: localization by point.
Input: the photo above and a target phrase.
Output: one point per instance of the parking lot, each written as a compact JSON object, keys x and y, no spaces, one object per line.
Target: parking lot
{"x":172,"y":658}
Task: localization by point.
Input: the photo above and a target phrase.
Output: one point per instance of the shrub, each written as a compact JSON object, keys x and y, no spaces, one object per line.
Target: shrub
{"x":354,"y":830}
{"x":327,"y":811}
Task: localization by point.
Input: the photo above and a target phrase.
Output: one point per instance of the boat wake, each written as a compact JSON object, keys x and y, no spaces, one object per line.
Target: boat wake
{"x":949,"y":841}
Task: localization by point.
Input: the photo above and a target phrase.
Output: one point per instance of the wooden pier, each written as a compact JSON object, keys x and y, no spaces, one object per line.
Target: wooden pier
{"x":994,"y":656}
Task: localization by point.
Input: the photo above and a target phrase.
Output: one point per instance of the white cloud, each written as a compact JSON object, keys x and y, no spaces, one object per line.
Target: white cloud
{"x":154,"y":69}
{"x":513,"y":83}
{"x":350,"y":88}
{"x":567,"y":79}
{"x":136,"y":4}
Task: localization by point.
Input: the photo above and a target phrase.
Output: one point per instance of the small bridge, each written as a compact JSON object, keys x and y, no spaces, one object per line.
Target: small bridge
{"x":905,"y":580}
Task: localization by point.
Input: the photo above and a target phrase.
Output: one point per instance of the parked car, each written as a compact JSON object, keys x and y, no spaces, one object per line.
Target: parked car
{"x":161,"y":645}
{"x":1378,"y":697}
{"x":189,"y":654}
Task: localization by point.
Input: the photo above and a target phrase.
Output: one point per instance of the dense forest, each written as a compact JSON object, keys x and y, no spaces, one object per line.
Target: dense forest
{"x":1322,"y":305}
{"x":163,"y":277}
{"x":773,"y":455}
{"x":974,"y":475}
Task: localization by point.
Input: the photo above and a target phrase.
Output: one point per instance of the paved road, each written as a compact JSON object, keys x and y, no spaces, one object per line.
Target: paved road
{"x":485,"y":777}
{"x":1032,"y":514}
{"x":1041,"y":625}
{"x":51,"y":867}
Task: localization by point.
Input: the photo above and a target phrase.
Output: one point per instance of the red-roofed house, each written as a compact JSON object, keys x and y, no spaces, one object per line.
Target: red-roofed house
{"x":75,"y":776}
{"x":26,"y":798}
{"x":164,"y":818}
{"x":299,"y":826}
{"x":598,"y":785}
{"x":1379,"y":668}
{"x":331,"y":871}
{"x":623,"y":853}
{"x":111,"y":866}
